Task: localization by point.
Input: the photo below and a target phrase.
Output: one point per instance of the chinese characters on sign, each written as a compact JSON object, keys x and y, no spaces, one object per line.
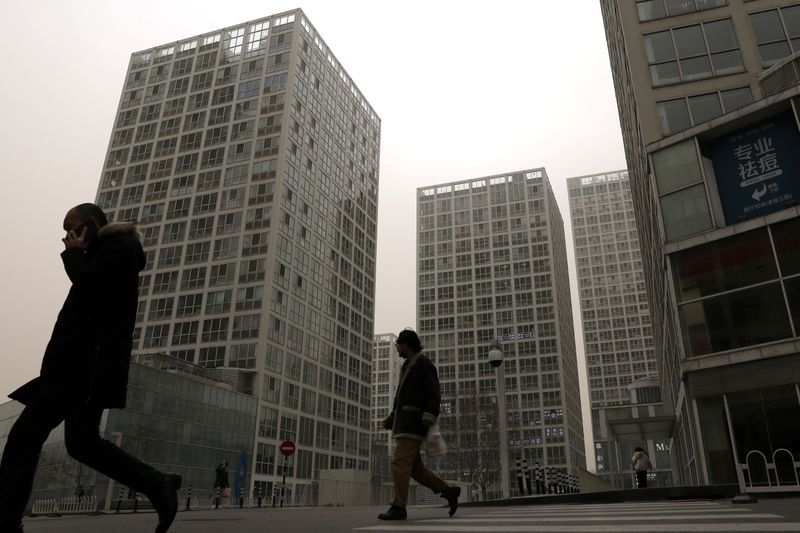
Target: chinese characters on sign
{"x":756,"y":168}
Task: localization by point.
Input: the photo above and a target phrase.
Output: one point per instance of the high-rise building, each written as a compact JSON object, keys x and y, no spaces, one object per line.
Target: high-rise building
{"x":492,"y":269}
{"x":385,"y":376}
{"x":250,"y":160}
{"x":617,"y":333}
{"x":707,"y":92}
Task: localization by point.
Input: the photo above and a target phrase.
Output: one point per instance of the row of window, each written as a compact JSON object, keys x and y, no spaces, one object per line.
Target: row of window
{"x":682,"y":113}
{"x":500,"y":197}
{"x":656,"y":9}
{"x":750,"y":295}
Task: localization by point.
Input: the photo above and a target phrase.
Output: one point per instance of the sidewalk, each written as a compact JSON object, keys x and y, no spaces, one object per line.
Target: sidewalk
{"x":706,"y":492}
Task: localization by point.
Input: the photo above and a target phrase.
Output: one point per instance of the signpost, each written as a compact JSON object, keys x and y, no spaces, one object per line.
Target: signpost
{"x":287,"y":450}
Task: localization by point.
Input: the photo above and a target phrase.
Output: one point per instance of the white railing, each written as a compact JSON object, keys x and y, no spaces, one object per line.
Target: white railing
{"x":768,"y":474}
{"x":44,"y":507}
{"x":72,"y":505}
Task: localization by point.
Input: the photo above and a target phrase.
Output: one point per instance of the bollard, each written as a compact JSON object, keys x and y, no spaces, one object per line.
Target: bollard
{"x":520,"y":486}
{"x":260,"y":494}
{"x":119,"y":498}
{"x":539,"y":481}
{"x":216,"y":500}
{"x":189,"y":497}
{"x":241,"y":500}
{"x":548,"y":479}
{"x":526,"y":473}
{"x":136,"y":504}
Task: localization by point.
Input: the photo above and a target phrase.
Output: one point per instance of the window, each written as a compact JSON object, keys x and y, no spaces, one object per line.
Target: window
{"x":248,"y":89}
{"x":189,"y":305}
{"x":197,"y":252}
{"x":193,"y":278}
{"x":218,"y":301}
{"x":245,"y":327}
{"x":656,"y":9}
{"x":222,"y":274}
{"x":155,"y":336}
{"x":215,"y":329}
{"x":684,"y":206}
{"x":731,"y":301}
{"x":693,"y":52}
{"x":201,"y":227}
{"x":222,"y":95}
{"x":212,"y":357}
{"x":682,"y":113}
{"x":777,"y":33}
{"x":184,"y":333}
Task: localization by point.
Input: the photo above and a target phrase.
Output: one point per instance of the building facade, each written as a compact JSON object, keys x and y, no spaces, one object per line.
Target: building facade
{"x":492,"y":269}
{"x":163,"y":426}
{"x":385,"y":377}
{"x":250,"y":159}
{"x":707,"y":104}
{"x":617,"y":331}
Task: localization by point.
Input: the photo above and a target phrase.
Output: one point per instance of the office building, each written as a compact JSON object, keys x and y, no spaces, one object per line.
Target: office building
{"x":179,"y":418}
{"x":492,"y":269}
{"x":617,"y":333}
{"x":249,"y":159}
{"x":706,"y":92}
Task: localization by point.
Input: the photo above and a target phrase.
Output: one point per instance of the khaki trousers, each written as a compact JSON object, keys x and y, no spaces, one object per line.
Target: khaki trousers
{"x":407,"y":463}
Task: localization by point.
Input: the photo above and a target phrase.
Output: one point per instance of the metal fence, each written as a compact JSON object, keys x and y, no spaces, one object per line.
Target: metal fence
{"x":72,"y":505}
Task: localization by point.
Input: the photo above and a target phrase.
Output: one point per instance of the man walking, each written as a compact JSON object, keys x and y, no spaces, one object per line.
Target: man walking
{"x":641,"y":464}
{"x":416,"y":408}
{"x":85,"y":370}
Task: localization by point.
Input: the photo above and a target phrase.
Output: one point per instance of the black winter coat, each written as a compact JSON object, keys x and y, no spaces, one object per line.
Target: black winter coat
{"x":88,"y":356}
{"x":417,"y":397}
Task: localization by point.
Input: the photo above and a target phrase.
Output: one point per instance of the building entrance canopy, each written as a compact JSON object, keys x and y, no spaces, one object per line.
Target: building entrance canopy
{"x":642,"y":429}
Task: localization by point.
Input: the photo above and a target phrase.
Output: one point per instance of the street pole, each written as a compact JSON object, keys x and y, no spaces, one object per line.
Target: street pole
{"x":503,"y":429}
{"x":283,"y":487}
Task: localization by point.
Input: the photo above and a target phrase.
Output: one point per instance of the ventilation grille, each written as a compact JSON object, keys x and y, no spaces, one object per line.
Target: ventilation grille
{"x":781,"y":76}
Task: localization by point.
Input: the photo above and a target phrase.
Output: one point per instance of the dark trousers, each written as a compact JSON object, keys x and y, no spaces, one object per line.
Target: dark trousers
{"x":42,"y":414}
{"x":641,"y":479}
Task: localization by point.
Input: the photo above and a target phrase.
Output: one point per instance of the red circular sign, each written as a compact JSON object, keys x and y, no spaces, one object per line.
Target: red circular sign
{"x":287,"y":448}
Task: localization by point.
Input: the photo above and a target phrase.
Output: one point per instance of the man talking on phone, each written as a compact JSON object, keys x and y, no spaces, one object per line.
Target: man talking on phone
{"x":85,"y":370}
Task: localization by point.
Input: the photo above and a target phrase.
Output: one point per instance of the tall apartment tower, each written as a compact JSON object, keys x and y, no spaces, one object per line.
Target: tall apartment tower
{"x":249,"y":159}
{"x":492,"y":270}
{"x":385,"y":376}
{"x":620,"y":357}
{"x":707,"y":96}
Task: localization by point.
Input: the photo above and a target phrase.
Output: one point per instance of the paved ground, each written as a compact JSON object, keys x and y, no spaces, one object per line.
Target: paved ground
{"x":769,"y":515}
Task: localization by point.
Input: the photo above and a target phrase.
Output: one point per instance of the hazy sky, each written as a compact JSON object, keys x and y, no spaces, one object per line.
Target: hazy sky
{"x":462,"y":92}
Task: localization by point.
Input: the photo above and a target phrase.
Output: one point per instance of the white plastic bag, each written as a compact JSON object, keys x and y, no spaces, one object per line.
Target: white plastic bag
{"x":434,"y":443}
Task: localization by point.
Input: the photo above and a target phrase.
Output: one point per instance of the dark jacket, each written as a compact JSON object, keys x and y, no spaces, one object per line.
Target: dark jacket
{"x":89,"y":352}
{"x":221,"y":477}
{"x":417,"y":398}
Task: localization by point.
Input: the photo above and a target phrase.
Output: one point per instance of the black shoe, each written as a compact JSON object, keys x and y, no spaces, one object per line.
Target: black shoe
{"x":394,"y":513}
{"x":165,"y":501}
{"x":451,"y":494}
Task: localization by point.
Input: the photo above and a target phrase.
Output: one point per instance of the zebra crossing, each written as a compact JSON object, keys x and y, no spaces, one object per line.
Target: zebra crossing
{"x":686,"y":516}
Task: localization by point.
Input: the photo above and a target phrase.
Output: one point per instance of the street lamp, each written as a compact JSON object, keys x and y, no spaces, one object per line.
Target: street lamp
{"x":496,"y":360}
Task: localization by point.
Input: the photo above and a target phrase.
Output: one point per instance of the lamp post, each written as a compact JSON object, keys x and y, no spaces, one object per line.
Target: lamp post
{"x":496,"y":360}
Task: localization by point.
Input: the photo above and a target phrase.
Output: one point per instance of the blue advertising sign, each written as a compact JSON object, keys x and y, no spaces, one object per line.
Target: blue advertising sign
{"x":241,"y":474}
{"x":758,"y":168}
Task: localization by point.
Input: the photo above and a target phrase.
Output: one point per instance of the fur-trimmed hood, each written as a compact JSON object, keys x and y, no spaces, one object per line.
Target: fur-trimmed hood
{"x":116,"y":228}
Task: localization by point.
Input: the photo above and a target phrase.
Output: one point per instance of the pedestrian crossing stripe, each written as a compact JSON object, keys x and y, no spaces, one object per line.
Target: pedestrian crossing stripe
{"x":599,"y":528}
{"x":656,"y":517}
{"x":604,"y":518}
